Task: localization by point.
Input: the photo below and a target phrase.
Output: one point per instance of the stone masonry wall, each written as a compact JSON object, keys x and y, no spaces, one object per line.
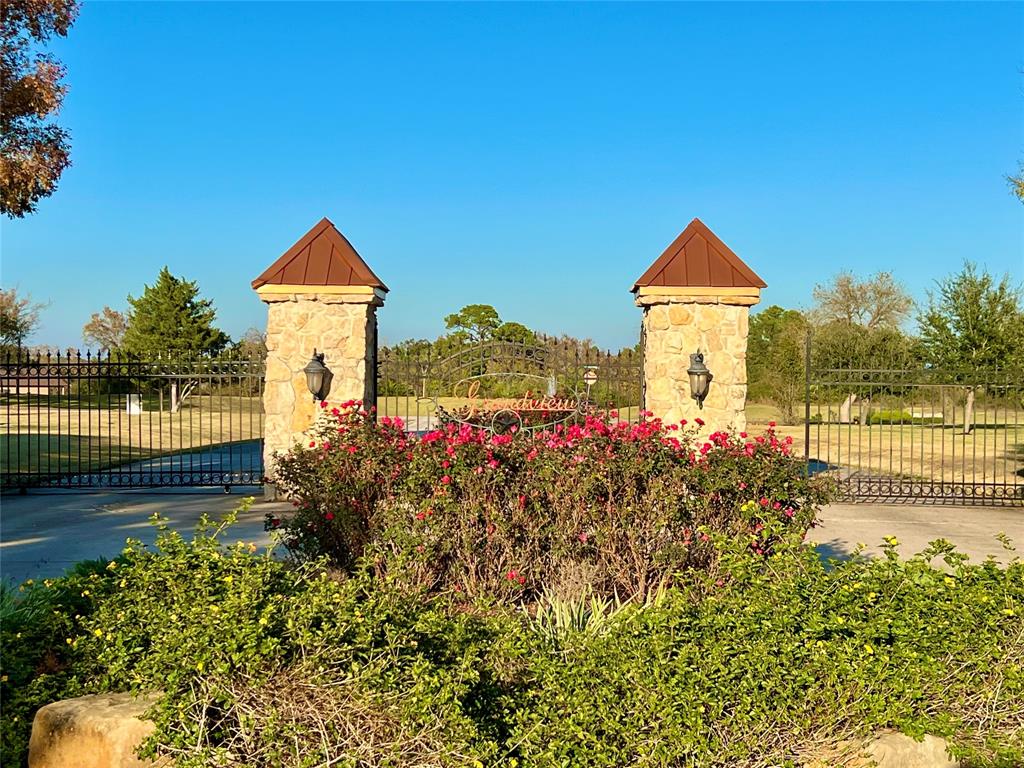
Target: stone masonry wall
{"x":339,"y":325}
{"x":675,"y":328}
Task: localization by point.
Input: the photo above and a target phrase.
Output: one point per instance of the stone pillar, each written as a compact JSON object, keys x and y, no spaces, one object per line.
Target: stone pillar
{"x":321,"y":296}
{"x":340,"y":325}
{"x":677,"y":325}
{"x":696,"y":298}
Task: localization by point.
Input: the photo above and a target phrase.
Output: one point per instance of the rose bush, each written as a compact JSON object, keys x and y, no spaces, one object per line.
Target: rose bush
{"x":603,"y":505}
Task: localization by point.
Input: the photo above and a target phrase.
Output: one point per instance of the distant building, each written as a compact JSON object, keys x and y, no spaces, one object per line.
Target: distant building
{"x":35,"y":383}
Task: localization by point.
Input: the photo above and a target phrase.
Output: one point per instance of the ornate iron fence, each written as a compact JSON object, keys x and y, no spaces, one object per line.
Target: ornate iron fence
{"x":898,"y":434}
{"x":529,"y":384}
{"x":74,"y":420}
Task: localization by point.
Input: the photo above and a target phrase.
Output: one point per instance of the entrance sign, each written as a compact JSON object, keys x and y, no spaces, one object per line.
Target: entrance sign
{"x":514,"y":402}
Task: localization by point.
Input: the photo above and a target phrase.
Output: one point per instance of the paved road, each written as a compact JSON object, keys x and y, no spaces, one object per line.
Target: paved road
{"x":42,"y":533}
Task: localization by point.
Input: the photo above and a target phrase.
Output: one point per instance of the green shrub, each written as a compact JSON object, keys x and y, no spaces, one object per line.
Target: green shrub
{"x":760,"y":663}
{"x":38,"y":657}
{"x":250,"y":653}
{"x":901,"y":417}
{"x":604,"y":505}
{"x":781,"y":660}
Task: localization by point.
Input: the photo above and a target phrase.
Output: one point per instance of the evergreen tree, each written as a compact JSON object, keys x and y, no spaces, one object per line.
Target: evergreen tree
{"x":973,"y":322}
{"x":170,"y":316}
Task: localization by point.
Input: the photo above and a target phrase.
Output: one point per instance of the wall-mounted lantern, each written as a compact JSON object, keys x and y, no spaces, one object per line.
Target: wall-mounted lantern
{"x":700,"y":378}
{"x":316,"y":375}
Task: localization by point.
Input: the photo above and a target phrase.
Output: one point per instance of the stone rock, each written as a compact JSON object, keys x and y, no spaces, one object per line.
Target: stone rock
{"x":101,"y":731}
{"x":887,"y":749}
{"x":896,"y":750}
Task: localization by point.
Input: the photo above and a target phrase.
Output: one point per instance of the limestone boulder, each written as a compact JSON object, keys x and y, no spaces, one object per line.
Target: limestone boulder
{"x":896,"y":750}
{"x":100,"y":731}
{"x":888,"y":749}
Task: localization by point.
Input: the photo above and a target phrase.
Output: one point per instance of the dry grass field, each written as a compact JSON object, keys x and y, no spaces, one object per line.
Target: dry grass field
{"x":41,"y":438}
{"x":993,"y":452}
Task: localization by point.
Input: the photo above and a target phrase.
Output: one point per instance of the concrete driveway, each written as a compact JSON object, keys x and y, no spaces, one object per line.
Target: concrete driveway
{"x":972,"y":529}
{"x":44,"y":532}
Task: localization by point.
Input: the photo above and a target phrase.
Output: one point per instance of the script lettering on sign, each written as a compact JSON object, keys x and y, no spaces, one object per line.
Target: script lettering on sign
{"x":523,"y":409}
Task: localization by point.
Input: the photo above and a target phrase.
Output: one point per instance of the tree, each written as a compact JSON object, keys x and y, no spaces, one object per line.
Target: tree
{"x":515,"y":332}
{"x":477,"y":321}
{"x":33,"y":152}
{"x":1017,"y":184}
{"x":876,"y":302}
{"x":775,"y":359}
{"x":19,"y":318}
{"x":971,"y":322}
{"x":171,"y":317}
{"x":105,"y":329}
{"x":252,"y":345}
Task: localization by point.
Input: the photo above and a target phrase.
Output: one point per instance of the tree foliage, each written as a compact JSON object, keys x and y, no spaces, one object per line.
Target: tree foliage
{"x":33,"y":151}
{"x":973,"y":322}
{"x":105,"y":329}
{"x":515,"y":332}
{"x":840,"y":345}
{"x":171,"y":316}
{"x":878,"y":301}
{"x":19,"y":318}
{"x":477,"y":321}
{"x":775,"y":359}
{"x":252,"y":345}
{"x":1017,"y":184}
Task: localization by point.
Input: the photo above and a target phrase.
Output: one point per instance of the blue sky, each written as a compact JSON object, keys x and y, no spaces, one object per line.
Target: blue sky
{"x":536,"y":157}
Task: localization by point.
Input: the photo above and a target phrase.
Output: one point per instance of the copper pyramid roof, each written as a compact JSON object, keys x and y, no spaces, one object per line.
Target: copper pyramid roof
{"x":697,"y":258}
{"x":322,"y":256}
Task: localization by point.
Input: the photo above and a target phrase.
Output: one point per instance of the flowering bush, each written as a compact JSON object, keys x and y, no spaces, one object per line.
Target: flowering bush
{"x":770,"y":661}
{"x":607,"y":505}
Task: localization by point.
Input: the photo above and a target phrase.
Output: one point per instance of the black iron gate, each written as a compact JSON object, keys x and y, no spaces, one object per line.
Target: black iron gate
{"x":73,"y":420}
{"x":423,"y":385}
{"x":917,"y":434}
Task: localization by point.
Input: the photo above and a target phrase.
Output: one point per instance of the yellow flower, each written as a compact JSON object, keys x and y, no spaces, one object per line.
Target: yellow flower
{"x":892,"y":541}
{"x":950,"y":582}
{"x":111,"y":565}
{"x":263,"y":621}
{"x":1009,"y":612}
{"x":3,"y":678}
{"x":98,"y":632}
{"x":868,"y":649}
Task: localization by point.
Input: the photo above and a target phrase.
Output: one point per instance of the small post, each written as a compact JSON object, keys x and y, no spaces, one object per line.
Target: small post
{"x":807,"y":403}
